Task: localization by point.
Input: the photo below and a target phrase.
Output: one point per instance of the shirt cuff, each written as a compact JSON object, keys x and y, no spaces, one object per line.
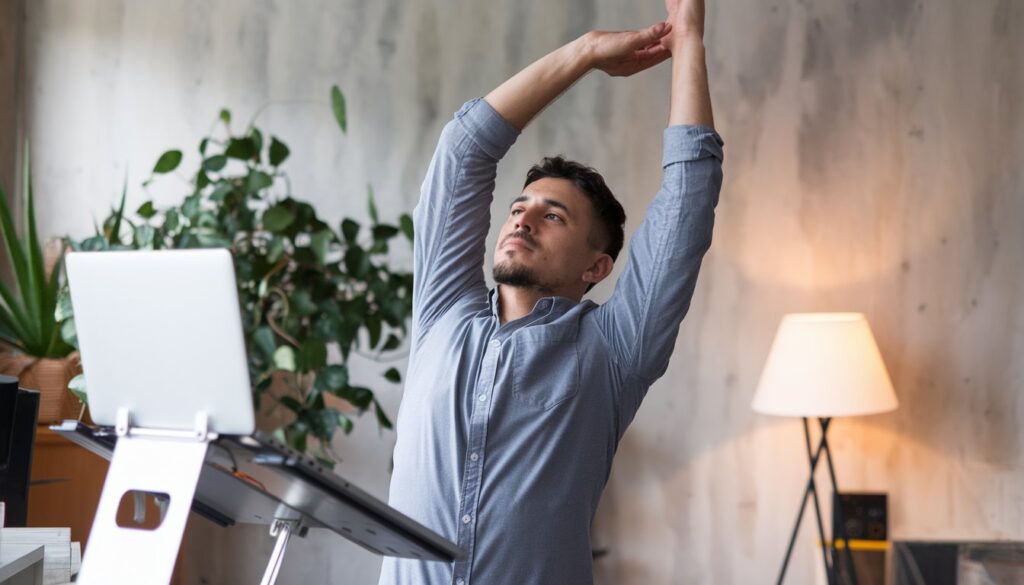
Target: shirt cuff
{"x":685,"y":143}
{"x":487,"y":128}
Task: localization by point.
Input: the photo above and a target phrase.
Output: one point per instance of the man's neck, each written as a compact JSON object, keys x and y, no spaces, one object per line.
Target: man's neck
{"x":515,"y":302}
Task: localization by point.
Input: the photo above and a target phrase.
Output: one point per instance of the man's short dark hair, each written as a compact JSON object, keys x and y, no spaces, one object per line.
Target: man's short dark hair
{"x":609,"y":213}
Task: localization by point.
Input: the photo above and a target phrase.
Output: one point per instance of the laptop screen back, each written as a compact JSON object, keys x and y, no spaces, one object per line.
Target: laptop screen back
{"x":160,"y":333}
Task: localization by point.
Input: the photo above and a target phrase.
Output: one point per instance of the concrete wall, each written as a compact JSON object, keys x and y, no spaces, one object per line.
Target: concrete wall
{"x":874,"y":163}
{"x":11,"y":110}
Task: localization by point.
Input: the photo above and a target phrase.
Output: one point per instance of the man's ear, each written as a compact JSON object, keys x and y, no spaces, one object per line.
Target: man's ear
{"x":599,"y":269}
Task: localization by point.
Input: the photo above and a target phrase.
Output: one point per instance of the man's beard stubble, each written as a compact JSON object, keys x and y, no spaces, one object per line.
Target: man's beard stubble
{"x":508,"y":274}
{"x":520,"y":277}
{"x":511,"y":274}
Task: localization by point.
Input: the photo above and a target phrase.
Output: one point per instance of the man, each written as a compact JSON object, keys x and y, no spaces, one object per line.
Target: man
{"x":518,"y":396}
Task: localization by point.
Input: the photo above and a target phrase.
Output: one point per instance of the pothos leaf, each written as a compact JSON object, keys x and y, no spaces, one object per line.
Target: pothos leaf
{"x":338,"y":106}
{"x":168,"y":161}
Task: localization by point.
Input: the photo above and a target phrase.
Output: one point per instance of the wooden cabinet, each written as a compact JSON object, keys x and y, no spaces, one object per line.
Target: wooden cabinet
{"x":67,"y":481}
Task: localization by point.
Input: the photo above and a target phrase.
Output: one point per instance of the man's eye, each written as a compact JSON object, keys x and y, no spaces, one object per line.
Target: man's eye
{"x":553,"y":216}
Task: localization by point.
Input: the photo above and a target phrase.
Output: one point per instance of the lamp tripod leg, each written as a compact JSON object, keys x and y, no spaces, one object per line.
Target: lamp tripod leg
{"x":800,"y":514}
{"x":838,"y":531}
{"x":813,"y":459}
{"x":792,"y":538}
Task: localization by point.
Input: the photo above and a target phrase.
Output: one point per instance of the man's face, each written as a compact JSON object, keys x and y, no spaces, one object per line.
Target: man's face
{"x":546,"y":240}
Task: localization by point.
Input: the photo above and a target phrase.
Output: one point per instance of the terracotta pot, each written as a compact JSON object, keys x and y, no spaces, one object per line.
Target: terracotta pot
{"x":50,"y":377}
{"x":271,"y":415}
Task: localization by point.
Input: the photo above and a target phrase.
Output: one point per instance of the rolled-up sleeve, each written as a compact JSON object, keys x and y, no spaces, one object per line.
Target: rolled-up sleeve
{"x":688,"y":143}
{"x":487,"y":128}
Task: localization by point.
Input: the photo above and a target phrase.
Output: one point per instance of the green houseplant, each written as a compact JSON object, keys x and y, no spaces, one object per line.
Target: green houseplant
{"x":38,"y":355}
{"x":305,"y":287}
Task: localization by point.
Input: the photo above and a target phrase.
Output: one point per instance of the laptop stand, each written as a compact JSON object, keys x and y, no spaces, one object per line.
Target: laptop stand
{"x":228,"y":479}
{"x":153,"y":461}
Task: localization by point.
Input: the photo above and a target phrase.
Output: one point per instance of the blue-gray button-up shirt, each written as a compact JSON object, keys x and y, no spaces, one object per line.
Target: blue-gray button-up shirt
{"x":506,"y":433}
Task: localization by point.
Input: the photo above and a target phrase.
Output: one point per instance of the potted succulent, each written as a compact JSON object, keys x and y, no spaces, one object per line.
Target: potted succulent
{"x":36,"y":352}
{"x":311,"y":294}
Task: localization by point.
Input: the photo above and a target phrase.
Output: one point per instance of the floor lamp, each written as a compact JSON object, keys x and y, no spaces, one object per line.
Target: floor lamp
{"x":820,"y":366}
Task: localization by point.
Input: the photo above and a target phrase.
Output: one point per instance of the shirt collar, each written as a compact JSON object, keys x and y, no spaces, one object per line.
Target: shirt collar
{"x":544,"y":307}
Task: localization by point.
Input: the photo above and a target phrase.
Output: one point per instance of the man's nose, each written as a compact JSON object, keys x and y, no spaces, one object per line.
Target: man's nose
{"x":524,"y":224}
{"x":525,"y":220}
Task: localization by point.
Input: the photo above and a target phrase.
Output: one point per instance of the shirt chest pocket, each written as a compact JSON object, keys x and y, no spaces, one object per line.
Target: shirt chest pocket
{"x":545,"y":367}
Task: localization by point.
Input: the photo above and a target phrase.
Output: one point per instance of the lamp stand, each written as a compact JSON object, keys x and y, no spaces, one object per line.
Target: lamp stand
{"x":811,"y":491}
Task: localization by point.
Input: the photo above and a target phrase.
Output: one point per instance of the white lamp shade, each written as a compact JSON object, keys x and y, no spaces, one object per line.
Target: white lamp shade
{"x":824,"y":365}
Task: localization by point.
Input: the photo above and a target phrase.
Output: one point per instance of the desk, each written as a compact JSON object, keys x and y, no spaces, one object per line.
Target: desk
{"x":21,"y":564}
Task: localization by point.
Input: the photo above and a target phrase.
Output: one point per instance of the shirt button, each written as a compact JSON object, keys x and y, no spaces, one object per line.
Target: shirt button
{"x":473,"y":456}
{"x":466,"y":519}
{"x":460,"y":581}
{"x":482,"y":397}
{"x":495,"y":343}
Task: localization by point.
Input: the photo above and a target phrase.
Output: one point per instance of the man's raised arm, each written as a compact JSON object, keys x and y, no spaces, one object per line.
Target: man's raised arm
{"x":641,"y":320}
{"x":452,"y":216}
{"x":691,"y":99}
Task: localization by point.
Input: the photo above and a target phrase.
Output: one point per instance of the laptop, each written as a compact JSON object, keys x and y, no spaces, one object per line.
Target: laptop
{"x":160,"y":333}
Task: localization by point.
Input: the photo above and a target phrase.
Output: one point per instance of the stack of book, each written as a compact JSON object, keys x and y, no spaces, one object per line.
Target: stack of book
{"x":61,"y":557}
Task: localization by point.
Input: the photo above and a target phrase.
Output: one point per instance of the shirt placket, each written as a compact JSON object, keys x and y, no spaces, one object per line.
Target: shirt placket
{"x":472,"y":478}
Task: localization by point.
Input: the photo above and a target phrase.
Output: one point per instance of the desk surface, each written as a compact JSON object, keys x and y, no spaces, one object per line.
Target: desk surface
{"x":254,"y":479}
